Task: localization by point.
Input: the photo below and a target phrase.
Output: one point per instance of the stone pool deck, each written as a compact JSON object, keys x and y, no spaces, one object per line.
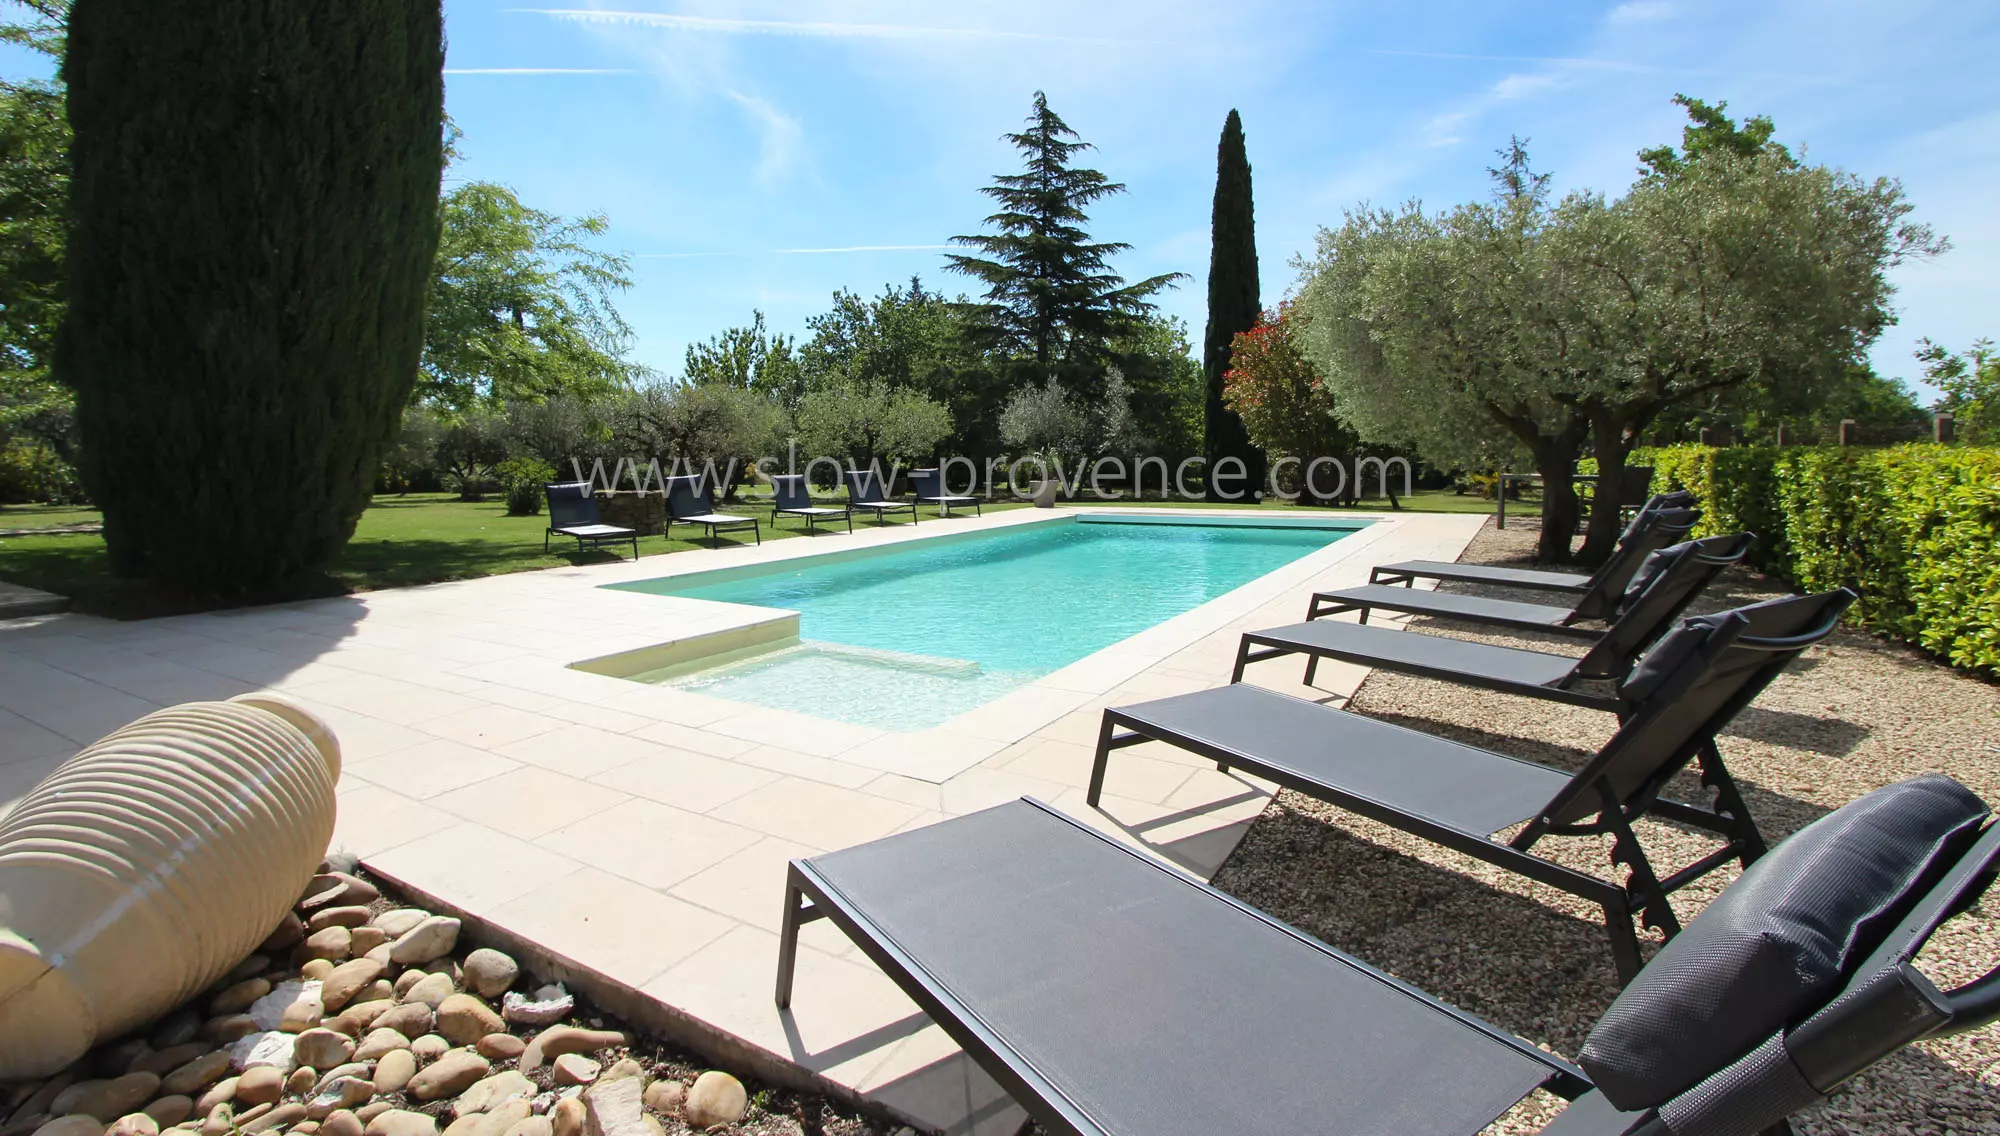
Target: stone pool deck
{"x":637,"y":836}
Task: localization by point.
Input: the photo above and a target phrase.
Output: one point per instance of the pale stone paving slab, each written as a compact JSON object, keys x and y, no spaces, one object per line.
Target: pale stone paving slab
{"x":643,"y":833}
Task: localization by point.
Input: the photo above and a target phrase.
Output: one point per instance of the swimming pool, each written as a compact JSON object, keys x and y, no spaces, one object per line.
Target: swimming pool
{"x":906,"y":636}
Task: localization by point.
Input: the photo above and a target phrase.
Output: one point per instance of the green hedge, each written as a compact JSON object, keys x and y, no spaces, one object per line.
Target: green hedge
{"x":1914,"y":529}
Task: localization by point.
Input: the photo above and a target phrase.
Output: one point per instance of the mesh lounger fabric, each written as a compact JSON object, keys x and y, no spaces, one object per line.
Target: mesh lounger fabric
{"x":1413,"y":651}
{"x":1473,"y":790}
{"x":1489,"y":574}
{"x":1110,"y":977}
{"x":1483,"y":609}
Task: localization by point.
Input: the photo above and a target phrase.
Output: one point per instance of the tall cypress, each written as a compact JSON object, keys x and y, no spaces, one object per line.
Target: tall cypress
{"x":1232,"y":307}
{"x":255,"y":212}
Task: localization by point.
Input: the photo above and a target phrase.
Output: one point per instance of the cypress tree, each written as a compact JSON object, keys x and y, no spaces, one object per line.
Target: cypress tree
{"x":255,"y":212}
{"x":1232,"y":307}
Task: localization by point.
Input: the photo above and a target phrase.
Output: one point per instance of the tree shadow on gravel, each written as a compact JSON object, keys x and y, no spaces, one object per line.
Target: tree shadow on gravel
{"x":1777,"y":814}
{"x":1813,"y":733}
{"x":1541,"y":973}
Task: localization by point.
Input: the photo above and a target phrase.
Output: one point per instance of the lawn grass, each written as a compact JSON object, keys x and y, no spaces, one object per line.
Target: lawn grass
{"x":46,"y":516}
{"x":425,"y":538}
{"x":1424,"y":501}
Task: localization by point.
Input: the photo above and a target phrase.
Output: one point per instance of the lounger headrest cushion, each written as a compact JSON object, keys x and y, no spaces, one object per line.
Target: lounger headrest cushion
{"x":1780,"y":942}
{"x":1772,"y":619}
{"x":1654,"y":564}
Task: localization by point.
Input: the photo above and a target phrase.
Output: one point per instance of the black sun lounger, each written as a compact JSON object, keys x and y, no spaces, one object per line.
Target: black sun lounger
{"x":1656,"y":530}
{"x":928,"y":486}
{"x":1671,"y":580}
{"x":573,"y":513}
{"x":790,"y":496}
{"x":1684,"y":692}
{"x":689,"y":502}
{"x":864,"y":492}
{"x":1111,"y":995}
{"x":1616,"y":570}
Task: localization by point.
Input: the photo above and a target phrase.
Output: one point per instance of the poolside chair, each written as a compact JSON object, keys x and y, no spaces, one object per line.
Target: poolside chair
{"x":1112,"y":995}
{"x":1616,"y":570}
{"x":1682,"y":694}
{"x":928,"y":486}
{"x":573,"y":512}
{"x":790,"y":496}
{"x":864,"y":492}
{"x":1655,"y":531}
{"x":689,"y":502}
{"x":1671,"y":580}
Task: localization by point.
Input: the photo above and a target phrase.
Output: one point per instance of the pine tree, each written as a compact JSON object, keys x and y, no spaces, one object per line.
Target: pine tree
{"x":1232,"y":308}
{"x":255,"y":211}
{"x":1050,"y":292}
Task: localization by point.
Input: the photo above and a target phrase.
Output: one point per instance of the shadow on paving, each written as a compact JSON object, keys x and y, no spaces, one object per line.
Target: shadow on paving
{"x":75,"y":682}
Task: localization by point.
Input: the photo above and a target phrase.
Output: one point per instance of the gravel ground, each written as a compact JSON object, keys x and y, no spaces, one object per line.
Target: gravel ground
{"x":1853,"y":714}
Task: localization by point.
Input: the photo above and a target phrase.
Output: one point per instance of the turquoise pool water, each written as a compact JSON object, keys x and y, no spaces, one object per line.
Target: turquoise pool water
{"x":916,"y":633}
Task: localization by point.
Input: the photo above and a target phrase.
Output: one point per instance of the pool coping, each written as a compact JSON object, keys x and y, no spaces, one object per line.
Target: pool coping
{"x":938,"y":753}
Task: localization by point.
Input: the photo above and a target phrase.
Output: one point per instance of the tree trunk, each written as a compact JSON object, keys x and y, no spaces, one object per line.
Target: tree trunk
{"x":1555,"y":460}
{"x":1610,"y":447}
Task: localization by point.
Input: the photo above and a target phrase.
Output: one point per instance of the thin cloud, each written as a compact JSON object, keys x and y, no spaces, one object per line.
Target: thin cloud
{"x":1555,"y":60}
{"x":792,"y":251}
{"x":809,"y":28}
{"x":1641,"y":11}
{"x":540,"y":71}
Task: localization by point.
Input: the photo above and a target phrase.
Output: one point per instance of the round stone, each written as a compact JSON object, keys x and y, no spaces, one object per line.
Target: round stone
{"x":463,"y":1019}
{"x":75,"y":1124}
{"x":500,"y":1046}
{"x":322,"y":1048}
{"x":196,"y":1074}
{"x":260,"y":1085}
{"x":394,"y":1071}
{"x":431,"y":990}
{"x":341,"y":1122}
{"x":489,"y":972}
{"x":399,"y":922}
{"x":430,"y":1047}
{"x":236,"y":999}
{"x":664,"y":1097}
{"x":716,"y":1098}
{"x":401,"y":1122}
{"x":567,"y":1117}
{"x":449,"y":1075}
{"x":134,"y":1124}
{"x":427,"y":941}
{"x":169,"y":1111}
{"x":332,"y":943}
{"x":378,"y":1043}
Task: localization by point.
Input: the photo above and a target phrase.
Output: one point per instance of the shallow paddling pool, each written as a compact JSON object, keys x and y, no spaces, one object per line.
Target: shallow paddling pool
{"x":906,"y":636}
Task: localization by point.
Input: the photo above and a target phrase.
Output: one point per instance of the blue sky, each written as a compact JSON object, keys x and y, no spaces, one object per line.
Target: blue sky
{"x":716,"y":134}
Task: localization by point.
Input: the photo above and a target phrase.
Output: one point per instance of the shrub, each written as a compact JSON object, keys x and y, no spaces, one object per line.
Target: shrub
{"x":1914,"y":529}
{"x":522,"y":479}
{"x":33,"y":473}
{"x":254,"y":219}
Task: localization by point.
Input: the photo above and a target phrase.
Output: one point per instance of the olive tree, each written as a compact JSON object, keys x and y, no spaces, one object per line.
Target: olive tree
{"x":1574,"y":325}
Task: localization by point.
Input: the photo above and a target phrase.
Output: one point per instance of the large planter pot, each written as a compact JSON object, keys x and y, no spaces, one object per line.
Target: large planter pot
{"x":145,"y":867}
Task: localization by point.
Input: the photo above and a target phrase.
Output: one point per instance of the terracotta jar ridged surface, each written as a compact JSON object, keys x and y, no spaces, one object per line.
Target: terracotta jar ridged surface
{"x":145,"y":867}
